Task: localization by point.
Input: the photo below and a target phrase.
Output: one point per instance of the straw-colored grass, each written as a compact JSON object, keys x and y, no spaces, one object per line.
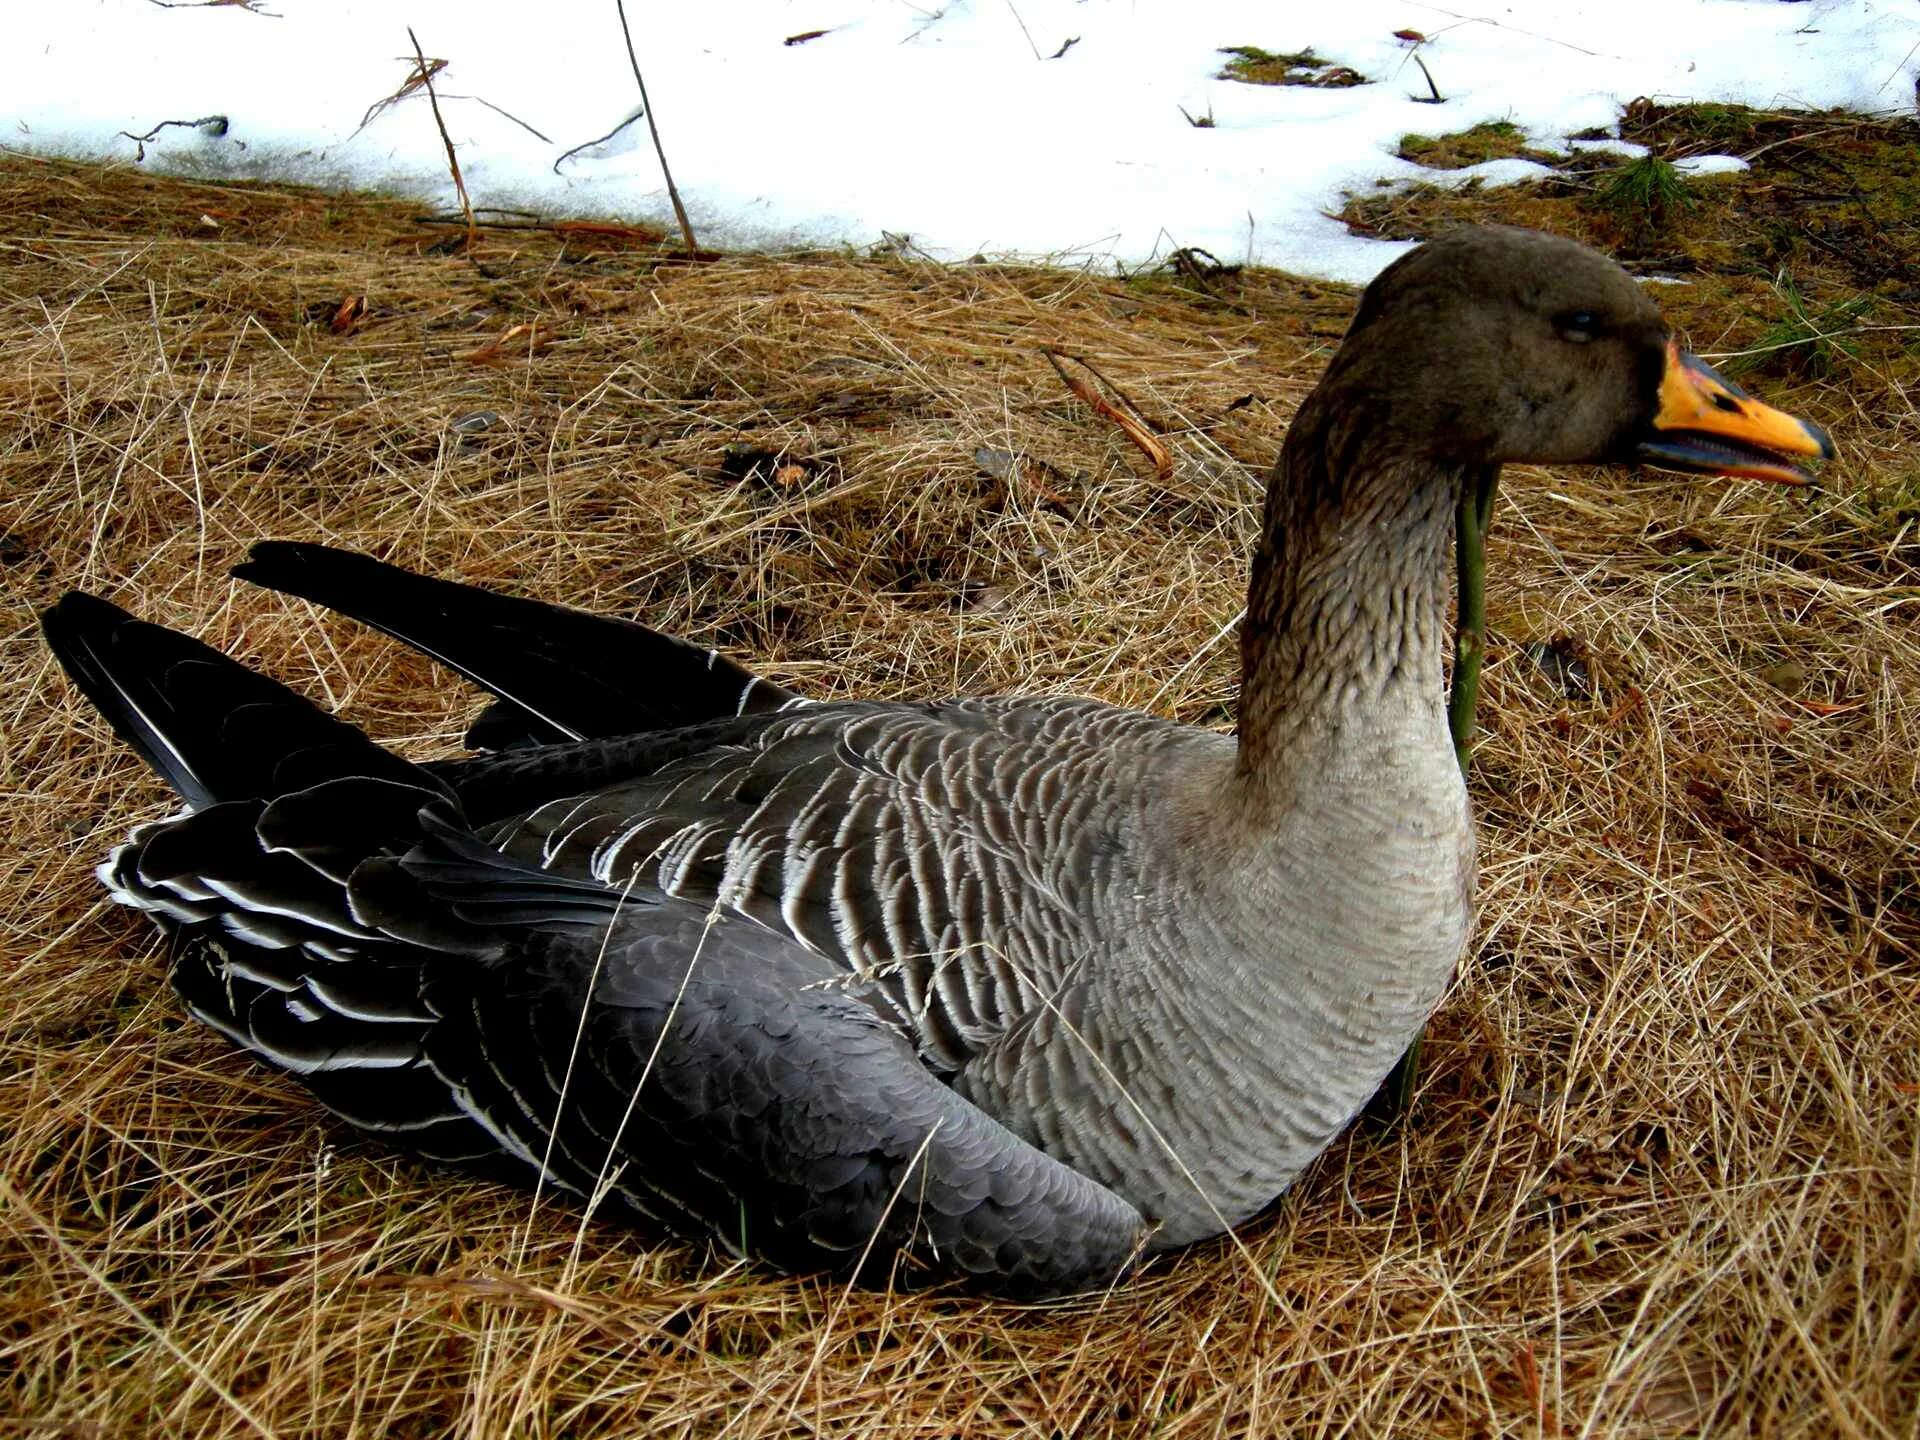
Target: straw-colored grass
{"x":1661,"y":1177}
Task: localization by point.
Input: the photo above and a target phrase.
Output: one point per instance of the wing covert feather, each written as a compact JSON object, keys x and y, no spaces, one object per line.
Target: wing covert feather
{"x":928,"y":847}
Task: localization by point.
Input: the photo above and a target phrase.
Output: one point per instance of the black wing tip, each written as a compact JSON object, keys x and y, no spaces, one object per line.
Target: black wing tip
{"x":88,"y":636}
{"x":271,"y":564}
{"x":78,"y":628}
{"x":79,"y":610}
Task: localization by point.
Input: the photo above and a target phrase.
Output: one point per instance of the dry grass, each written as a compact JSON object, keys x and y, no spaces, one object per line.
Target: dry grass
{"x":1661,"y":1177}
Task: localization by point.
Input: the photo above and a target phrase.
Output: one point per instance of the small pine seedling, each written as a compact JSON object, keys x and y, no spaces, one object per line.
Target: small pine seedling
{"x":1645,"y":195}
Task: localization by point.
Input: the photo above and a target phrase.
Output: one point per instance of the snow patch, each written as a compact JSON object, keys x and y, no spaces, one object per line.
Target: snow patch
{"x":1052,"y":128}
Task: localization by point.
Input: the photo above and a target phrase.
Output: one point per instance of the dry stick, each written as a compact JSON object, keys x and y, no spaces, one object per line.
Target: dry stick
{"x":215,"y":125}
{"x":1024,"y":31}
{"x":673,"y":192}
{"x":1469,"y":646}
{"x":252,"y":7}
{"x":1437,"y":99}
{"x":1131,"y":425}
{"x":453,"y":161}
{"x":407,"y":87}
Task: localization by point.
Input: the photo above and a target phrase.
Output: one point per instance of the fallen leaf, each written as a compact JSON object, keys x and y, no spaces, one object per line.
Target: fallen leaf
{"x":1630,"y":700}
{"x":601,"y":230}
{"x":1684,"y":1400}
{"x":995,"y":464}
{"x":347,"y":314}
{"x":496,"y":351}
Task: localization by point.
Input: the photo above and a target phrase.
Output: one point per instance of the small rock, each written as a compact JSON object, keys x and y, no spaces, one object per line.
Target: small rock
{"x":1559,"y":659}
{"x":1789,"y":677}
{"x":995,"y":464}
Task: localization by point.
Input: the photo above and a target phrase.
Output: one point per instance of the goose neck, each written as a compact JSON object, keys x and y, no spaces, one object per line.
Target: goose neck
{"x":1346,"y":607}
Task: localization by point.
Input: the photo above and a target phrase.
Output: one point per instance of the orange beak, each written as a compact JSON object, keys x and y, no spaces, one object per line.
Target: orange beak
{"x":1709,"y":425}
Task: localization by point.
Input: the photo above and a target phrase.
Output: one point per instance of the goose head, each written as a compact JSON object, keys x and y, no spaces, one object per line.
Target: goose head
{"x":1494,"y":345}
{"x":1485,"y":347}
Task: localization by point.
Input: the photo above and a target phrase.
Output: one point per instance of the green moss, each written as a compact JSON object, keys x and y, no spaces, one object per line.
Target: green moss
{"x":1252,"y":65}
{"x":1490,"y":140}
{"x":1698,"y":127}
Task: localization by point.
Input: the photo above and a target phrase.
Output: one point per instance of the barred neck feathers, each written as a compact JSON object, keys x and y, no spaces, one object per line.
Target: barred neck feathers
{"x":1346,"y":604}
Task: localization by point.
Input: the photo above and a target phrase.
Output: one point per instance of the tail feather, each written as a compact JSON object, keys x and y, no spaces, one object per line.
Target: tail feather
{"x":287,"y":809}
{"x":564,"y":674}
{"x":212,"y":728}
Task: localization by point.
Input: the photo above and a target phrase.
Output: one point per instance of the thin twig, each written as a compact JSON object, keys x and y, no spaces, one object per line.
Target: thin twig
{"x":1024,"y":31}
{"x":507,"y":114}
{"x":592,"y":229}
{"x":214,"y":125}
{"x":415,"y":78}
{"x":646,"y":105}
{"x":1470,"y":571}
{"x":1465,"y":19}
{"x":453,"y":160}
{"x":252,"y":7}
{"x":589,"y":144}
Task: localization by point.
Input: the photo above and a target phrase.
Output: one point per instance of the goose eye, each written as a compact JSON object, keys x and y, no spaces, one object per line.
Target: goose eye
{"x":1578,"y":326}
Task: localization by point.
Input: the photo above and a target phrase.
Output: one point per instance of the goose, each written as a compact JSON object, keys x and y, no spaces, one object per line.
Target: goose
{"x":1013,"y":991}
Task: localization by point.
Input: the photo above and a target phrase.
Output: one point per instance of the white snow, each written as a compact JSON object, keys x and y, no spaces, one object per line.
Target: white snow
{"x":1492,"y":172}
{"x":1710,"y":164}
{"x":949,"y":124}
{"x":1625,"y":148}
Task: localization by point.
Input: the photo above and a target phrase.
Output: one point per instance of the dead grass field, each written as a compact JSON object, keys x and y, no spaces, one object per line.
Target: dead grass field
{"x":1661,"y":1177}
